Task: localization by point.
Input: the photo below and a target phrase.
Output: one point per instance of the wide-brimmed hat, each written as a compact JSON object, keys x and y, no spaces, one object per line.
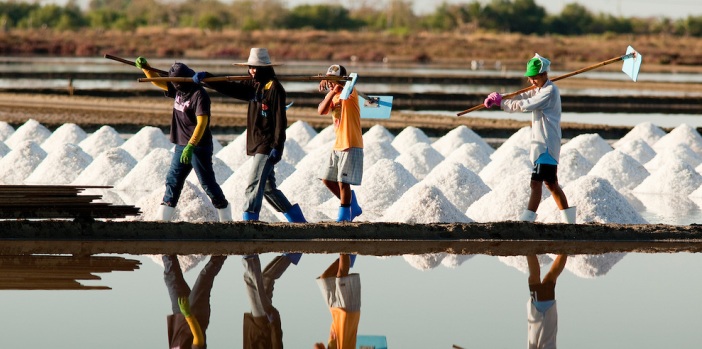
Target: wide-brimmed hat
{"x":537,"y":65}
{"x":258,"y":57}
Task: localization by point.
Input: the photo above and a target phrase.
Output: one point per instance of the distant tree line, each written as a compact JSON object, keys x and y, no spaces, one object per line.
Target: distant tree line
{"x":514,"y":16}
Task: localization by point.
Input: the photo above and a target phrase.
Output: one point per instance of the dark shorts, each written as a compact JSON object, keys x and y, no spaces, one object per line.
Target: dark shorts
{"x":545,"y":173}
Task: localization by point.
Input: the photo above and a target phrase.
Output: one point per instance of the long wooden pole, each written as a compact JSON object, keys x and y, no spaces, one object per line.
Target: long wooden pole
{"x":122,"y":60}
{"x":594,"y":66}
{"x":244,"y":77}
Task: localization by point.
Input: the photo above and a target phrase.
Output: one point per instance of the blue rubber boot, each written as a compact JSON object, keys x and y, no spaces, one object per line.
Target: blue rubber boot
{"x":294,"y":257}
{"x":294,"y":215}
{"x":352,"y":260}
{"x":355,"y":208}
{"x":344,"y":214}
{"x":250,"y":216}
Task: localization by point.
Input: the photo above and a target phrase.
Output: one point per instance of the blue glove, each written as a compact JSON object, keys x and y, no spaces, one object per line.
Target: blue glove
{"x":275,"y":156}
{"x":187,"y":154}
{"x":197,"y":78}
{"x":141,"y":63}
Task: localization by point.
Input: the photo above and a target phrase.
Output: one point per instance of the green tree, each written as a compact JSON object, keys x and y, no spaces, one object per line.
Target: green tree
{"x":325,"y":17}
{"x":574,"y":19}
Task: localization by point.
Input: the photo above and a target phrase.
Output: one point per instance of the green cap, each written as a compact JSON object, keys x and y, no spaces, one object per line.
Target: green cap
{"x":537,"y":65}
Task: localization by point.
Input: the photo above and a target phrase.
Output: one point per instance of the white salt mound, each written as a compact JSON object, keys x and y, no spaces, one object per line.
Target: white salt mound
{"x":187,"y":262}
{"x":592,"y":266}
{"x":676,"y":178}
{"x":423,"y":204}
{"x":461,"y":186}
{"x":66,"y":133}
{"x":193,"y":206}
{"x":408,"y":137}
{"x":520,"y":139}
{"x":31,"y":130}
{"x":455,"y":260}
{"x":420,"y":159}
{"x":637,"y":149}
{"x":316,"y":158}
{"x":145,"y":141}
{"x":149,"y":173}
{"x":678,"y":152}
{"x":621,"y":170}
{"x":506,"y":201}
{"x":107,"y":169}
{"x":572,"y":165}
{"x":103,"y":139}
{"x":234,"y":154}
{"x":4,"y":149}
{"x":6,"y":130}
{"x":644,"y":131}
{"x":378,"y":133}
{"x":457,"y":137}
{"x":511,"y":162}
{"x":684,"y":134}
{"x":591,"y":145}
{"x":293,"y":152}
{"x":304,"y":188}
{"x":374,"y":151}
{"x":20,"y":162}
{"x":221,"y":170}
{"x":234,"y":188}
{"x":301,"y":132}
{"x":597,"y":201}
{"x":383,"y":183}
{"x":61,"y":166}
{"x":470,"y":155}
{"x":424,"y":261}
{"x":324,"y":137}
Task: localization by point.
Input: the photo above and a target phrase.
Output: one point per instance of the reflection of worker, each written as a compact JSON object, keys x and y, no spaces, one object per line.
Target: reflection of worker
{"x":342,"y":293}
{"x":262,"y":326}
{"x":191,"y":308}
{"x":542,"y":313}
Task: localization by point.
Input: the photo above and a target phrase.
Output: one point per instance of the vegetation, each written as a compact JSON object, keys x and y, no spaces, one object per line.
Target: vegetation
{"x":395,"y":16}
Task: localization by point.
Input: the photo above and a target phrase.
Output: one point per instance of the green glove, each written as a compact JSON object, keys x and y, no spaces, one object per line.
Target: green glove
{"x":141,"y":63}
{"x":187,"y":154}
{"x":184,"y":305}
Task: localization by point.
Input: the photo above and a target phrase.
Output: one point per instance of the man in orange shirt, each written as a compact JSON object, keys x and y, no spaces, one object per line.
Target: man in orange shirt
{"x":345,"y":165}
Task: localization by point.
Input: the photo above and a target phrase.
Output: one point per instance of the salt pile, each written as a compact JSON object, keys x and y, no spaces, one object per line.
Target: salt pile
{"x":66,"y":133}
{"x":31,"y":130}
{"x":61,"y":166}
{"x":234,"y":188}
{"x":461,"y":186}
{"x":505,"y":202}
{"x":304,"y":188}
{"x":4,"y":149}
{"x":383,"y":183}
{"x":378,"y":133}
{"x":457,"y":137}
{"x":107,"y":169}
{"x":6,"y":130}
{"x":221,"y":171}
{"x":678,"y":152}
{"x":591,"y":145}
{"x":101,"y":140}
{"x":637,"y":149}
{"x":455,"y":260}
{"x":424,"y":261}
{"x":301,"y":132}
{"x":293,"y":152}
{"x":408,"y":137}
{"x":684,"y":134}
{"x":423,"y":204}
{"x":149,"y":173}
{"x":20,"y":162}
{"x":571,"y":166}
{"x":419,"y":159}
{"x":316,"y":158}
{"x":675,"y":178}
{"x":596,"y":200}
{"x":470,"y":155}
{"x":146,"y":140}
{"x":621,"y":170}
{"x":520,"y":262}
{"x":592,"y":266}
{"x":645,"y":131}
{"x":193,"y":206}
{"x":324,"y":137}
{"x":520,"y":139}
{"x":374,"y":151}
{"x":186,"y":262}
{"x":234,"y":154}
{"x":516,"y":160}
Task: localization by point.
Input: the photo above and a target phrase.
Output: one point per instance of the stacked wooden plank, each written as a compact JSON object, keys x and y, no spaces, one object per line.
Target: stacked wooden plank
{"x":57,"y":201}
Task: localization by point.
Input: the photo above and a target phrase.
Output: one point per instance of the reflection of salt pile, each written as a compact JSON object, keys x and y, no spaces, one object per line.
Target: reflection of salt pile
{"x":193,"y":206}
{"x":420,"y":159}
{"x":596,"y":200}
{"x":423,"y":204}
{"x":455,"y":260}
{"x":590,"y":145}
{"x":460,"y":185}
{"x":424,"y":261}
{"x":31,"y":130}
{"x":378,"y":133}
{"x":408,"y":137}
{"x":645,"y":131}
{"x":187,"y":262}
{"x":61,"y":166}
{"x":301,"y":132}
{"x":234,"y":154}
{"x":619,"y":169}
{"x":678,"y":152}
{"x":506,"y":201}
{"x":374,"y":151}
{"x":637,"y":149}
{"x":66,"y":133}
{"x":149,"y":173}
{"x":383,"y":184}
{"x":457,"y":137}
{"x":470,"y":155}
{"x":146,"y":140}
{"x":515,"y":160}
{"x":591,"y":266}
{"x":520,"y":262}
{"x":103,"y":139}
{"x":107,"y":169}
{"x":6,"y":130}
{"x":4,"y":149}
{"x":20,"y":162}
{"x":571,"y":166}
{"x":675,"y":178}
{"x":683,"y":134}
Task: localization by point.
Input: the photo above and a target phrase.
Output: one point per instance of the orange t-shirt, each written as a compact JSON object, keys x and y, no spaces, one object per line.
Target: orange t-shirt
{"x":347,"y":122}
{"x":345,"y":326}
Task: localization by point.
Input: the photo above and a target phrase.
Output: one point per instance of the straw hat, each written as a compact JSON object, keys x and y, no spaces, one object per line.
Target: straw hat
{"x":258,"y":57}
